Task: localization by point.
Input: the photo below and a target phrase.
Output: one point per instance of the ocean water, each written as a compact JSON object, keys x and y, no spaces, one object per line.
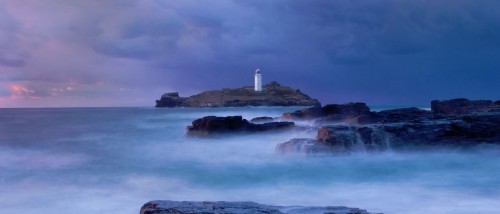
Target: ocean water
{"x":112,"y":160}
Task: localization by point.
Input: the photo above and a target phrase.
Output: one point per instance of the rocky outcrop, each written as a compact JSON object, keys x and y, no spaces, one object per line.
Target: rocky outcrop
{"x":401,"y":115}
{"x":460,"y":132}
{"x":232,"y":124}
{"x":332,"y":111}
{"x":463,"y":106}
{"x":221,"y":207}
{"x":261,"y":120}
{"x":273,"y":94}
{"x":358,"y":113}
{"x":455,"y":123}
{"x":170,"y":100}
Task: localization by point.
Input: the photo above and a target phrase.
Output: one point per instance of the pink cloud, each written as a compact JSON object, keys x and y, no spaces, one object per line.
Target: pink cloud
{"x":20,"y":92}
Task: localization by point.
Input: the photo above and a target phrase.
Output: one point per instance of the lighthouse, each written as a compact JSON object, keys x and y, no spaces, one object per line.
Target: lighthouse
{"x":258,"y":80}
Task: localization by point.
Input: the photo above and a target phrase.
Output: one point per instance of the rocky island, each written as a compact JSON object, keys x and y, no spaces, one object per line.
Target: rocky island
{"x":221,"y":207}
{"x":272,"y":94}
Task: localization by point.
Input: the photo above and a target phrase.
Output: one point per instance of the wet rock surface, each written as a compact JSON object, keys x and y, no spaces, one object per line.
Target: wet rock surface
{"x":222,"y":207}
{"x":334,"y":111}
{"x":232,"y":124}
{"x":456,"y":123}
{"x":463,"y":106}
{"x":262,"y":119}
{"x":401,"y":115}
{"x":352,"y":127}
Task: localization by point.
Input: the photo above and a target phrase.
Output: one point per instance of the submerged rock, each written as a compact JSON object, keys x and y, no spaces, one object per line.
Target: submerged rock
{"x":221,"y":207}
{"x":232,"y":124}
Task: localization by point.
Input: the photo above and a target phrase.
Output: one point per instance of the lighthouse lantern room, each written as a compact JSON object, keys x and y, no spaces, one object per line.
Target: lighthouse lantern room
{"x":258,"y":80}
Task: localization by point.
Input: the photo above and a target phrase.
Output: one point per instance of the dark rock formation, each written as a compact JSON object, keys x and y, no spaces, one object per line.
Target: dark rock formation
{"x":332,"y":111}
{"x":270,"y":126}
{"x":261,"y":120}
{"x":218,"y":124}
{"x":461,"y":132}
{"x":463,"y":106}
{"x":170,"y":100}
{"x":232,"y":124}
{"x":401,"y":115}
{"x":456,"y":123}
{"x":358,"y":113}
{"x":221,"y":207}
{"x":273,"y":94}
{"x":352,"y":138}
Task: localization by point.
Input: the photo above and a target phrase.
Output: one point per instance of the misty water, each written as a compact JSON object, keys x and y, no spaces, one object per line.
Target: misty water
{"x":112,"y":160}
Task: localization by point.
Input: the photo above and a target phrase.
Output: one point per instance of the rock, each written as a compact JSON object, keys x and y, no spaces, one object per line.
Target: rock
{"x":462,"y":106}
{"x":232,"y":124}
{"x":401,"y":115}
{"x":352,"y":127}
{"x":221,"y":207}
{"x":210,"y":124}
{"x":308,"y":113}
{"x":386,"y":116}
{"x":359,"y":113}
{"x":336,"y":112}
{"x":352,"y":138}
{"x":273,"y":94}
{"x":262,"y":120}
{"x":474,"y":128}
{"x":269,"y":126}
{"x":353,"y":109}
{"x":459,"y":132}
{"x":302,"y":146}
{"x":170,"y":100}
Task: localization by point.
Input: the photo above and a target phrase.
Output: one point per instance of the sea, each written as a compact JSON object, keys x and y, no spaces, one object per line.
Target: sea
{"x":113,"y":160}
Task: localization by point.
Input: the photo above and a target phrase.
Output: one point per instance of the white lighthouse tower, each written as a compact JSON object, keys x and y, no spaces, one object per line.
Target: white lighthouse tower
{"x":258,"y":80}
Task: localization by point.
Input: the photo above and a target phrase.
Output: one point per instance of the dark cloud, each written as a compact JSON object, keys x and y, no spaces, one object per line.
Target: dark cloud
{"x":387,"y":51}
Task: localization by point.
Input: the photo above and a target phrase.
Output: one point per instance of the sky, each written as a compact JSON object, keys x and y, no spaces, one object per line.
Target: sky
{"x":59,"y":53}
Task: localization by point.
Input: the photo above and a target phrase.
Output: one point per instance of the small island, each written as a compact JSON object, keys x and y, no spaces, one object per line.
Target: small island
{"x":220,"y":207}
{"x":273,"y":94}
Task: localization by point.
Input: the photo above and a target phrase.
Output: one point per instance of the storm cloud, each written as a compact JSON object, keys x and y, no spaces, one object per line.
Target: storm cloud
{"x":127,"y":53}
